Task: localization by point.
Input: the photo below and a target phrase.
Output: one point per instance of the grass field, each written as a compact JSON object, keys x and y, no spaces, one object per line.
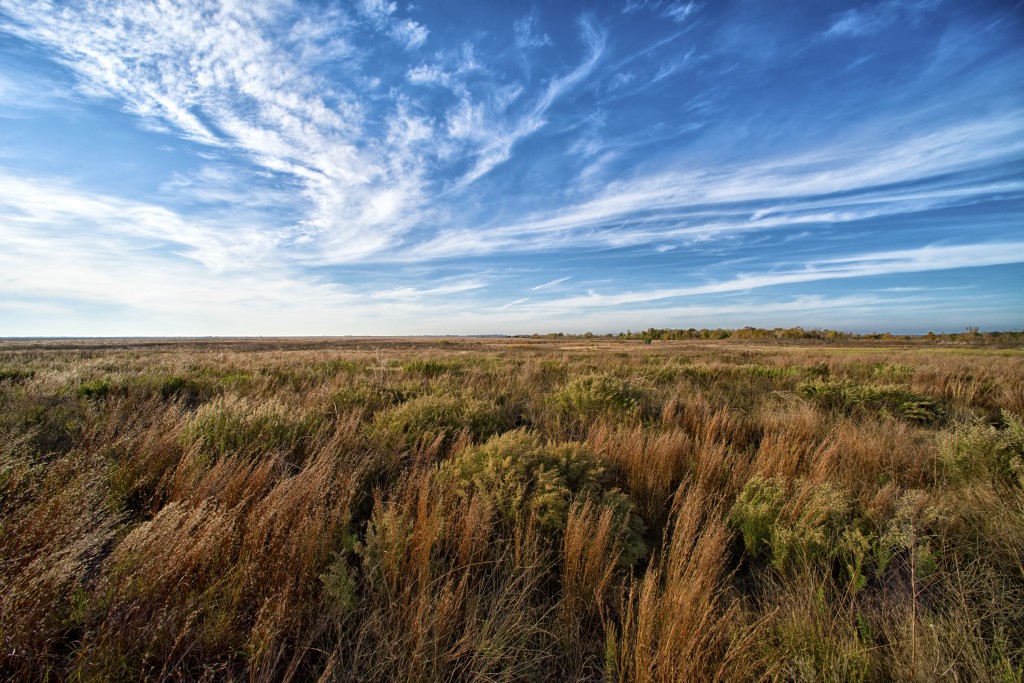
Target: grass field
{"x":510,"y":509}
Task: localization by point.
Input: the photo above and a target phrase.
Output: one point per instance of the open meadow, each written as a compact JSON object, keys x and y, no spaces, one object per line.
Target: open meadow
{"x":511,"y":509}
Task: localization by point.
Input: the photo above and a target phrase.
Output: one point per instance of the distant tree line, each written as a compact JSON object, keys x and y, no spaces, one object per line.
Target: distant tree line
{"x":970,"y":334}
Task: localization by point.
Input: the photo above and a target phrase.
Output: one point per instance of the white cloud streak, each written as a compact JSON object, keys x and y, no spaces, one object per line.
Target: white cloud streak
{"x":551,"y":283}
{"x":497,"y":141}
{"x":854,"y":180}
{"x":860,"y":21}
{"x":930,"y":258}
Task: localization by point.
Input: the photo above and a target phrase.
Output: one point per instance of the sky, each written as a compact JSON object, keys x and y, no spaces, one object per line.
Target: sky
{"x":276,"y":167}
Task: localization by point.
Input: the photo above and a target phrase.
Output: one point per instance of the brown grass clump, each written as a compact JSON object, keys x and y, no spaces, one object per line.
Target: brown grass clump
{"x":513,"y":510}
{"x":680,"y":621}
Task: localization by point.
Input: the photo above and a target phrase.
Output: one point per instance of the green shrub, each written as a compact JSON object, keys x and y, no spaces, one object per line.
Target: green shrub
{"x":701,"y":373}
{"x":335,"y":366}
{"x":599,"y":395}
{"x":235,"y":426}
{"x":812,"y":530}
{"x":15,"y":376}
{"x":188,"y":390}
{"x":235,"y":380}
{"x":755,"y":513}
{"x":525,"y":477}
{"x":771,"y":372}
{"x":340,"y":587}
{"x":173,"y":386}
{"x":94,"y":389}
{"x":828,"y":394}
{"x":970,"y":449}
{"x":431,"y":367}
{"x":553,"y":366}
{"x":884,"y":398}
{"x":427,"y":417}
{"x":910,"y":532}
{"x":53,"y":424}
{"x":892,"y":372}
{"x":373,"y":397}
{"x":796,"y":531}
{"x":383,"y":550}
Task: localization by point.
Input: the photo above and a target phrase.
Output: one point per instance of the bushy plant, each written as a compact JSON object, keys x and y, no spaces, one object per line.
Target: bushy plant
{"x":771,"y":372}
{"x":910,"y":532}
{"x":828,"y":394}
{"x":339,"y":584}
{"x":526,"y":477}
{"x":793,"y":531}
{"x":15,"y":375}
{"x":53,"y":424}
{"x":383,"y":550}
{"x":885,"y":398}
{"x":755,"y":513}
{"x":94,"y":389}
{"x":893,"y":372}
{"x":190,"y":391}
{"x":972,"y":448}
{"x":812,"y":528}
{"x":236,"y":426}
{"x":431,"y":367}
{"x":596,"y":395}
{"x":373,"y":397}
{"x":430,"y":416}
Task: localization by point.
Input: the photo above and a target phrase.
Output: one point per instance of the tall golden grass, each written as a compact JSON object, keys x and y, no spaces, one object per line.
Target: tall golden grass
{"x":521,"y":509}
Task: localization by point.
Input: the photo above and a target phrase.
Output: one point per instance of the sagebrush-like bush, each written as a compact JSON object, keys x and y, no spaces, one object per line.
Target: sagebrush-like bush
{"x":599,"y":395}
{"x":794,"y":531}
{"x":94,"y":389}
{"x":811,"y":529}
{"x":970,"y":449}
{"x":427,"y":417}
{"x":886,"y":398}
{"x":525,"y":477}
{"x":237,"y":426}
{"x":15,"y":375}
{"x":756,"y":512}
{"x":431,"y":367}
{"x":373,"y":397}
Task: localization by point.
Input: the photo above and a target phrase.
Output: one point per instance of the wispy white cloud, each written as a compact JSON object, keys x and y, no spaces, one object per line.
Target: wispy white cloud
{"x":219,"y":76}
{"x":65,"y":245}
{"x":631,"y":6}
{"x":527,"y":35}
{"x":551,"y":283}
{"x":859,"y":21}
{"x":930,"y":258}
{"x":512,"y":304}
{"x":416,"y":293}
{"x":409,"y":33}
{"x":96,"y":252}
{"x":681,"y":11}
{"x":35,"y":211}
{"x":497,"y":142}
{"x":846,"y":182}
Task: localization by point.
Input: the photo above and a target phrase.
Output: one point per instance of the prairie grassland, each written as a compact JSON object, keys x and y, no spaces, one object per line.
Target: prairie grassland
{"x":507,"y":510}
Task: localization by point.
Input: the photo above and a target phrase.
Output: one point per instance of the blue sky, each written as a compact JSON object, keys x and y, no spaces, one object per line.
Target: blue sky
{"x":188,"y":167}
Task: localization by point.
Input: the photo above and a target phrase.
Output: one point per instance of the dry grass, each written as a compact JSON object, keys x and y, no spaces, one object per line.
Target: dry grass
{"x":510,"y":510}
